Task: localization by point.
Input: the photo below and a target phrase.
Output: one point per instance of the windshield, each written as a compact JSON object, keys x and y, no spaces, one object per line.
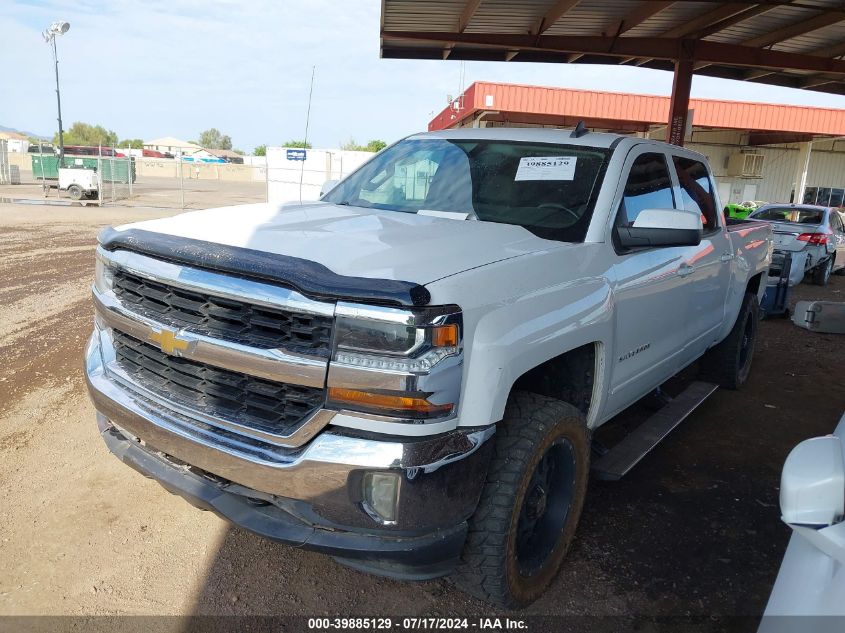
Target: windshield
{"x":790,"y":214}
{"x":548,"y":189}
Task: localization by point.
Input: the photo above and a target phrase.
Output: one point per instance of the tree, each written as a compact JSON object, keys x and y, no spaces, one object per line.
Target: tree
{"x":301,"y":144}
{"x":350,"y":145}
{"x":373,"y":146}
{"x":134,"y":143}
{"x":261,"y":150}
{"x":376,"y":145}
{"x":239,"y":151}
{"x":213,"y":139}
{"x":86,"y":134}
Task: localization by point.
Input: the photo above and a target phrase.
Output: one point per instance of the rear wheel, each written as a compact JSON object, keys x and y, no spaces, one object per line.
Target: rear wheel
{"x":75,"y":192}
{"x":729,"y":363}
{"x":821,"y":274}
{"x":531,"y":502}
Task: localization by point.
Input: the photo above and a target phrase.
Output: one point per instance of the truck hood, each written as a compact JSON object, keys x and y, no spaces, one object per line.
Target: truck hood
{"x":354,"y":241}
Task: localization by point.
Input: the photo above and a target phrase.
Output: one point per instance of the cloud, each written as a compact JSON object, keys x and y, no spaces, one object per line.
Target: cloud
{"x":177,"y":67}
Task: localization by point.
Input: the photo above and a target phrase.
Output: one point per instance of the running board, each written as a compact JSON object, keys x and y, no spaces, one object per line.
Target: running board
{"x":620,"y":459}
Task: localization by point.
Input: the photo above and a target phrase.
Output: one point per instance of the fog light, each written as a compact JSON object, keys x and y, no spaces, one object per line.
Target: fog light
{"x":381,"y":492}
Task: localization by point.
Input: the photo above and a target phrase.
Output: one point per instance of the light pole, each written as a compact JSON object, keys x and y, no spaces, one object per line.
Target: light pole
{"x":57,"y":28}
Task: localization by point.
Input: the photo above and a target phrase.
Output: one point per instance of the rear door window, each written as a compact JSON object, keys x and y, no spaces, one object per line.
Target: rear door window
{"x":697,"y":190}
{"x":648,"y":187}
{"x":836,"y":222}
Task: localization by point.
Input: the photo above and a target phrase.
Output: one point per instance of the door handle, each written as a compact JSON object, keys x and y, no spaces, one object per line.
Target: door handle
{"x":726,"y":257}
{"x":684,"y":270}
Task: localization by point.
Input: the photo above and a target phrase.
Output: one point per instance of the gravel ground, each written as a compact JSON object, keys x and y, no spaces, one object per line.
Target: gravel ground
{"x":694,"y":530}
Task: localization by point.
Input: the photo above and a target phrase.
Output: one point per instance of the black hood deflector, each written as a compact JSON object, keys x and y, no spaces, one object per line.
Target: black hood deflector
{"x":310,"y":278}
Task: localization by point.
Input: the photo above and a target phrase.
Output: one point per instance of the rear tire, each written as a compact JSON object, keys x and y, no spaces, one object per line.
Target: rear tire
{"x":531,"y":502}
{"x":729,"y":363}
{"x":821,"y":273}
{"x":75,"y":192}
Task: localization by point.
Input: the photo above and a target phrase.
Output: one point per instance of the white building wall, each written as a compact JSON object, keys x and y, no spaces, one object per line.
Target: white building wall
{"x":320,"y":165}
{"x":827,"y":165}
{"x":18,"y":145}
{"x":827,"y":169}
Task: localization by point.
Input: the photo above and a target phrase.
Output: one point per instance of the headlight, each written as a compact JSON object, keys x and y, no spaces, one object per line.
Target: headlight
{"x":395,"y":332}
{"x":393,"y":337}
{"x":404,"y":341}
{"x":103,"y":275}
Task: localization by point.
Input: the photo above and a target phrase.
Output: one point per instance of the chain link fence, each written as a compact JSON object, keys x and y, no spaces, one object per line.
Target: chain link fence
{"x":87,"y":174}
{"x":284,"y":175}
{"x":9,"y":174}
{"x":115,"y":178}
{"x":5,"y":172}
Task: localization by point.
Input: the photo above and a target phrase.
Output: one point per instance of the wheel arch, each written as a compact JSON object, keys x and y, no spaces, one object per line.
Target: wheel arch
{"x":570,"y":377}
{"x":753,"y":285}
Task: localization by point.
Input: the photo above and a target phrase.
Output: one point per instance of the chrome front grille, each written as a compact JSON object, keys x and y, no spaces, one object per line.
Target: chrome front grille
{"x":265,"y":405}
{"x":223,"y":318}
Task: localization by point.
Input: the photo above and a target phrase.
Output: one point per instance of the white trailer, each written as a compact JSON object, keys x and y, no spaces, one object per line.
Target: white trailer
{"x":79,"y":182}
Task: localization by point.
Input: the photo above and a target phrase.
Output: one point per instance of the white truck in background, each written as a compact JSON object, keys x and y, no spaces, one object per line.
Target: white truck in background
{"x":406,"y":374}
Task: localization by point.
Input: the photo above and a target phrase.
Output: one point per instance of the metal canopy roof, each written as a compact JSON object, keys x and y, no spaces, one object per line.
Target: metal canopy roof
{"x":764,"y":123}
{"x":793,"y":43}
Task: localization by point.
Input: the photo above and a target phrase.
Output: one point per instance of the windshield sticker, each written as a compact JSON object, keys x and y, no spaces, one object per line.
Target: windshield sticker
{"x":546,"y":168}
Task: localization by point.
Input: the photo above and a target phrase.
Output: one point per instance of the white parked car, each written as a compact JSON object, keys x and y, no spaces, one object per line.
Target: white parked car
{"x":815,"y":236}
{"x":406,"y":374}
{"x":809,"y":593}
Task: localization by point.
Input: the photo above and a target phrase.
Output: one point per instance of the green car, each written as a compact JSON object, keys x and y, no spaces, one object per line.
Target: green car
{"x":743,"y":209}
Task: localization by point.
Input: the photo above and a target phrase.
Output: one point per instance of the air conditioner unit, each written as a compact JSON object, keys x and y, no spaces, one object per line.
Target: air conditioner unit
{"x":746,"y":165}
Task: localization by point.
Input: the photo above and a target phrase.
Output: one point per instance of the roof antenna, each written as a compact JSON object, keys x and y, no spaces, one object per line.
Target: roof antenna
{"x":305,"y":140}
{"x":579,"y":131}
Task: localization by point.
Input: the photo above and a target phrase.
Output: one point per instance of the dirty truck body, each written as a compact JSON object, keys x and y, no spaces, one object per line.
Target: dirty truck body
{"x":377,"y":374}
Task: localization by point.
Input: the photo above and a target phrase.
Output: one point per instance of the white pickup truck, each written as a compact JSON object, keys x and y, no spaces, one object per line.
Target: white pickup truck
{"x":406,"y":374}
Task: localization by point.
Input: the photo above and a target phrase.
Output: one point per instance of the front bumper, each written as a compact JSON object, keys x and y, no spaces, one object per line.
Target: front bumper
{"x":311,"y":496}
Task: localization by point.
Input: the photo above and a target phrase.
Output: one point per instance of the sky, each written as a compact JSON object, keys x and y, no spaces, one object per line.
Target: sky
{"x":154,"y":68}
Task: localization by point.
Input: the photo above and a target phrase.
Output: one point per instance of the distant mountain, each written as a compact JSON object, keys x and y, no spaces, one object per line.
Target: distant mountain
{"x":25,"y":133}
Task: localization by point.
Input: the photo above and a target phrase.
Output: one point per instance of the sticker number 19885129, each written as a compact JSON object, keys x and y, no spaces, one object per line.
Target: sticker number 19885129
{"x":546,"y":168}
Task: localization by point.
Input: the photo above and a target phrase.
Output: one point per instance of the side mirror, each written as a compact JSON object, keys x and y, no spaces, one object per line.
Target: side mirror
{"x":812,"y":485}
{"x":662,"y":227}
{"x":328,"y":186}
{"x":812,"y":494}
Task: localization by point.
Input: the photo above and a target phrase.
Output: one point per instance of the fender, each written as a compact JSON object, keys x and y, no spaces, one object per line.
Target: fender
{"x":532,"y":325}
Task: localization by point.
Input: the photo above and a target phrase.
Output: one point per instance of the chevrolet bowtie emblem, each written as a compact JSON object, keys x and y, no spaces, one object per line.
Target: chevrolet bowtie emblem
{"x":168,"y":342}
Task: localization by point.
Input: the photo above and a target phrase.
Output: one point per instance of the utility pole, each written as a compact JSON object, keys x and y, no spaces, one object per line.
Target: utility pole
{"x":57,"y":28}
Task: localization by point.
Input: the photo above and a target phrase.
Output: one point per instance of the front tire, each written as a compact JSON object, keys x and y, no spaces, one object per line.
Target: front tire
{"x":531,"y":502}
{"x":729,"y":363}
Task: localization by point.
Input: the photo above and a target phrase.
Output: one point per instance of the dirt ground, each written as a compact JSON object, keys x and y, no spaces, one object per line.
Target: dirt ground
{"x":693,"y":530}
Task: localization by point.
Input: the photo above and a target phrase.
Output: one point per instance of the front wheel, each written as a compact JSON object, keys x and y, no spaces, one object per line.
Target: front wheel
{"x":530,"y":504}
{"x":75,"y":192}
